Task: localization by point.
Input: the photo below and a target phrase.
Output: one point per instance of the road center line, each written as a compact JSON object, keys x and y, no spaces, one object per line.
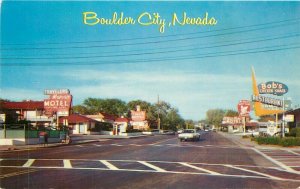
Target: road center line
{"x":67,"y":164}
{"x":109,"y":165}
{"x":255,"y":172}
{"x":162,"y":141}
{"x":29,"y":163}
{"x":152,"y":166}
{"x":97,"y":145}
{"x":201,"y":169}
{"x":116,"y":145}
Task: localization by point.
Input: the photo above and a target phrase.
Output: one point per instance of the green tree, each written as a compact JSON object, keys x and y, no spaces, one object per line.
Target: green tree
{"x":215,"y":117}
{"x":189,"y":124}
{"x":231,"y":113}
{"x":172,"y":120}
{"x":80,"y":109}
{"x":111,"y":106}
{"x":143,"y":104}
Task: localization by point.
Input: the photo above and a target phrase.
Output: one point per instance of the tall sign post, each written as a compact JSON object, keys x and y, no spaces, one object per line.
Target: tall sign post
{"x":58,"y":103}
{"x":244,"y":108}
{"x":269,"y":88}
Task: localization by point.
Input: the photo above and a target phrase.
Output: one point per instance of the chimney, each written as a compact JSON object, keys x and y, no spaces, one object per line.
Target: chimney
{"x":138,"y":108}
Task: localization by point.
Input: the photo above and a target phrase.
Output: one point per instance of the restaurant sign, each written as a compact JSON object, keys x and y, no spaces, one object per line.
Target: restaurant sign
{"x":272,"y":87}
{"x":267,"y":100}
{"x":232,"y":120}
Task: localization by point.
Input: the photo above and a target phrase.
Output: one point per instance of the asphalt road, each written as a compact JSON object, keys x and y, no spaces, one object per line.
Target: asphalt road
{"x":148,"y":162}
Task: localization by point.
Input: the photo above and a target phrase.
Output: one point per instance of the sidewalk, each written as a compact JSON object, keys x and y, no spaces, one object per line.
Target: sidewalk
{"x":76,"y":139}
{"x":246,"y":142}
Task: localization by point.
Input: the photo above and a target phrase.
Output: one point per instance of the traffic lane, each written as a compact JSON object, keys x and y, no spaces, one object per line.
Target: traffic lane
{"x":71,"y":151}
{"x":160,"y":151}
{"x":120,"y":179}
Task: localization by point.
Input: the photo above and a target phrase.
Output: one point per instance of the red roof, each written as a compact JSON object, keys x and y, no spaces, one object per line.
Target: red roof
{"x":25,"y":105}
{"x":76,"y":118}
{"x":122,"y":119}
{"x":108,"y":116}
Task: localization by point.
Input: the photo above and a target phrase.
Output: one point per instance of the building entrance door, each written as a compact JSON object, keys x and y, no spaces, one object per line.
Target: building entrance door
{"x":81,"y":128}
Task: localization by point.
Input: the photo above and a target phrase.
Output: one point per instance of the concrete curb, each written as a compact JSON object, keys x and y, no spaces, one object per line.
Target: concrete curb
{"x":53,"y":145}
{"x":237,"y":139}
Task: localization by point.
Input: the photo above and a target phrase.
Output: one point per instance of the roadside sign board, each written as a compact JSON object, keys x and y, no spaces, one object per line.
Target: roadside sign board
{"x":138,"y":115}
{"x":58,"y":103}
{"x":273,"y":87}
{"x":289,"y":118}
{"x":244,"y":108}
{"x":2,"y":118}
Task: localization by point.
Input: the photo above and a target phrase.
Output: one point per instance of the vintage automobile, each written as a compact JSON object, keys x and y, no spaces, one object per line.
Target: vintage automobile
{"x":189,"y":134}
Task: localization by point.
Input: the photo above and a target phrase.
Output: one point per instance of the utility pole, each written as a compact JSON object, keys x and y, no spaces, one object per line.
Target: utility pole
{"x":158,"y":118}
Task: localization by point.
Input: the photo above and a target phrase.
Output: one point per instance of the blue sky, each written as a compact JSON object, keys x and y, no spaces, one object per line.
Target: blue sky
{"x":45,"y":45}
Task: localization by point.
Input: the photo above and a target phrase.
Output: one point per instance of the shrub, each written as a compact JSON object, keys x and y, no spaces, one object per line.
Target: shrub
{"x":295,"y":132}
{"x":132,"y":131}
{"x":288,"y":141}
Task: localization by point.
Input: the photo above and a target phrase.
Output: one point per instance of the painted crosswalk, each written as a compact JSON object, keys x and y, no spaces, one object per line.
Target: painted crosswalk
{"x":162,"y":167}
{"x":286,"y":158}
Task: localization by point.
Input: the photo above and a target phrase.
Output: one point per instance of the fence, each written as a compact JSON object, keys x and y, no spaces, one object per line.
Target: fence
{"x":21,"y":131}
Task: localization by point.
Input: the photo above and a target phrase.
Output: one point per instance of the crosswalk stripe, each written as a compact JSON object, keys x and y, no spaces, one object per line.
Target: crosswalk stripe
{"x":152,"y":166}
{"x":276,"y":162}
{"x":28,"y":163}
{"x":293,"y":152}
{"x":255,"y":172}
{"x":109,"y":165}
{"x":199,"y":168}
{"x":67,"y":164}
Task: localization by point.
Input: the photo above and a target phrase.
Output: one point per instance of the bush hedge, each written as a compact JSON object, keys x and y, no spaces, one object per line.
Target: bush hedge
{"x":295,"y":132}
{"x":287,"y":141}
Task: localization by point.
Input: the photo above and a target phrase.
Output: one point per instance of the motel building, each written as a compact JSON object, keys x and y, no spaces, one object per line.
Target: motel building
{"x":31,"y":111}
{"x":103,"y":117}
{"x":78,"y":124}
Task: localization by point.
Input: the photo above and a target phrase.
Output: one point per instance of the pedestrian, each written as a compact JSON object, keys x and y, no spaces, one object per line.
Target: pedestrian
{"x":46,"y":139}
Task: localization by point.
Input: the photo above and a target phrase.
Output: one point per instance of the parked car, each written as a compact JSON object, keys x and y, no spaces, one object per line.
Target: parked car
{"x":189,"y":134}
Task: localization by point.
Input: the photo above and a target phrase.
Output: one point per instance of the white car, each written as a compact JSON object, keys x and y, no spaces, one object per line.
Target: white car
{"x":189,"y":134}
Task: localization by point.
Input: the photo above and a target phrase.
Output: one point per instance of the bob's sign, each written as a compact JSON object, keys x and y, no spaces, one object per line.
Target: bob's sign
{"x":272,"y":87}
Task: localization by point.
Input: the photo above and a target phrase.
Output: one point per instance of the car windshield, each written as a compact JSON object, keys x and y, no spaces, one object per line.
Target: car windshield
{"x":189,"y":131}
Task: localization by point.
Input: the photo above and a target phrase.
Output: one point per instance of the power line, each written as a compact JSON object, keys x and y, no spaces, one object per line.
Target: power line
{"x":145,"y":50}
{"x":164,"y":36}
{"x":141,"y":43}
{"x":207,"y":55}
{"x":152,"y":53}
